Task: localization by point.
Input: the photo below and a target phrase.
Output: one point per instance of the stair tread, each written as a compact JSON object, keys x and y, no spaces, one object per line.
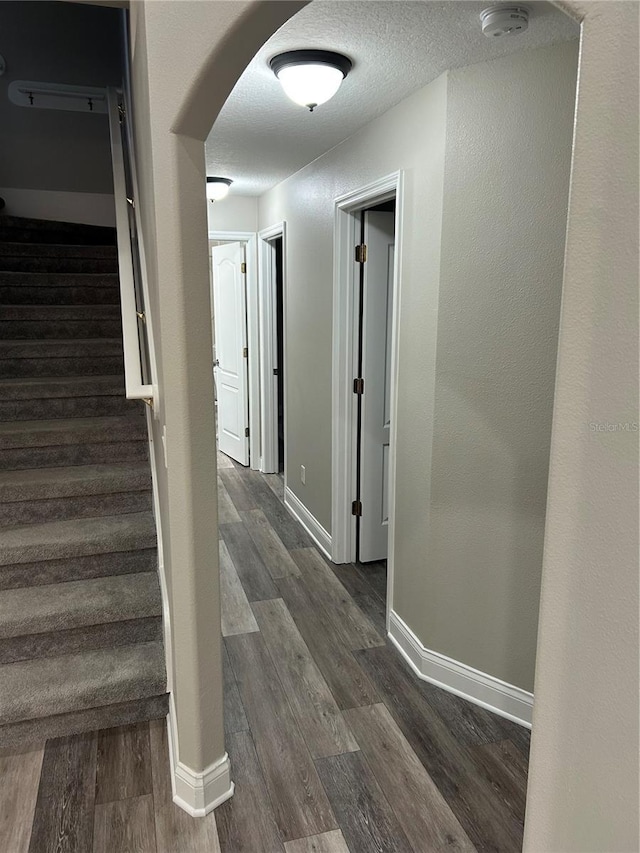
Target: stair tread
{"x":58,"y":279}
{"x":56,"y":250}
{"x":59,"y":348}
{"x":72,"y":431}
{"x":59,"y":312}
{"x":26,"y":388}
{"x":77,"y":537}
{"x":80,"y":603}
{"x":44,"y":483}
{"x":41,"y":688}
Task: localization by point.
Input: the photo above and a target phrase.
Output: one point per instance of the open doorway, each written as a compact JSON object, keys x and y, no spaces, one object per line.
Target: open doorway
{"x":372,"y":386}
{"x":234,"y":318}
{"x":230,"y":371}
{"x":271,"y":275}
{"x":461,"y":327}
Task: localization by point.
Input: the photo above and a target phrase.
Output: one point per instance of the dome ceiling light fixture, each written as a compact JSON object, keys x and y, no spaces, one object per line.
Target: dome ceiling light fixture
{"x":218,"y":188}
{"x":310,"y":77}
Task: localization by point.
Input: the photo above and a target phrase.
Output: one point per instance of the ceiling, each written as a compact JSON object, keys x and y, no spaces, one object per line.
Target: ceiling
{"x":397,"y":46}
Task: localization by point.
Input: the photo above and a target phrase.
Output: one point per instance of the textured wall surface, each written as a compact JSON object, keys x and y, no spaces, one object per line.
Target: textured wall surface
{"x":509,"y":130}
{"x":175,"y":105}
{"x":234,"y":213}
{"x":583,"y":781}
{"x":68,"y":43}
{"x":411,"y":137}
{"x":484,"y":279}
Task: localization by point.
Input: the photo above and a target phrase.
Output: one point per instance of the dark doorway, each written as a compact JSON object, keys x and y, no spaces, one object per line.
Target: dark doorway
{"x":279,"y":280}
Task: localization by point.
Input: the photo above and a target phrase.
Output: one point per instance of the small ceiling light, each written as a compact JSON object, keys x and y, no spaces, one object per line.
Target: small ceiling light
{"x":218,"y":188}
{"x":310,"y":77}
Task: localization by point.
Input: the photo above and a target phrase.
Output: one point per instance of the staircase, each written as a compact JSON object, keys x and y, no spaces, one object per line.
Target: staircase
{"x":80,"y":606}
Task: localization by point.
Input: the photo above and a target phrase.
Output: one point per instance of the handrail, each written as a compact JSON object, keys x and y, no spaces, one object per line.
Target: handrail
{"x":139,"y":364}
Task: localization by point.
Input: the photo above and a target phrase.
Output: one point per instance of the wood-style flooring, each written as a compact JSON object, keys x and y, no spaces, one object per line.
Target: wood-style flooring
{"x":335,"y":745}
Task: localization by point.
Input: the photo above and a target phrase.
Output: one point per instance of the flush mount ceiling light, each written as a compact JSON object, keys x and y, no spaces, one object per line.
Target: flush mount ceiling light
{"x":218,"y":188}
{"x":310,"y":77}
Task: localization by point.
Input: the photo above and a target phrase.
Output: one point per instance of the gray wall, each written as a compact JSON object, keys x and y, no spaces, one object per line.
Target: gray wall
{"x":54,"y":42}
{"x":509,"y":131}
{"x":587,"y":678}
{"x":411,"y":136}
{"x":583,"y":774}
{"x":481,"y":276}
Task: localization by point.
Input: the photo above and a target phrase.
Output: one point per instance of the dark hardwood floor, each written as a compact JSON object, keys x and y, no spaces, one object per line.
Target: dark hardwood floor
{"x":335,"y":745}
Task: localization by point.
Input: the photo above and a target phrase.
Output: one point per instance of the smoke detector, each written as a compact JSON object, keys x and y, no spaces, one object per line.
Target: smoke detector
{"x":504,"y":20}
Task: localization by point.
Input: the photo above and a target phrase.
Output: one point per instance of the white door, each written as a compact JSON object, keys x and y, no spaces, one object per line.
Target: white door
{"x":230,"y":365}
{"x":376,"y":371}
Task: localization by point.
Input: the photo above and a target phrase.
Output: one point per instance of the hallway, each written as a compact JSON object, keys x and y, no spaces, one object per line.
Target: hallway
{"x":329,"y":732}
{"x":335,"y":745}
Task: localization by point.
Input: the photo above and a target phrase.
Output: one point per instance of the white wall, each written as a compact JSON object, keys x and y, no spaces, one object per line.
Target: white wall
{"x":234,"y":213}
{"x":175,"y":104}
{"x":86,"y":208}
{"x":411,"y":136}
{"x":583,"y":773}
{"x":61,"y":152}
{"x":481,"y":275}
{"x":506,"y":192}
{"x":587,"y":676}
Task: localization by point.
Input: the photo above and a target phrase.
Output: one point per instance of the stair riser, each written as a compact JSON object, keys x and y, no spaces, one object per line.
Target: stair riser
{"x":63,"y":264}
{"x":85,"y":506}
{"x":60,"y":349}
{"x":53,"y":643}
{"x":40,"y":330}
{"x":60,"y":236}
{"x":17,"y":368}
{"x":57,"y":279}
{"x":16,"y":735}
{"x":27,"y":294}
{"x":73,"y":454}
{"x":78,"y":568}
{"x":68,"y":407}
{"x":50,"y":250}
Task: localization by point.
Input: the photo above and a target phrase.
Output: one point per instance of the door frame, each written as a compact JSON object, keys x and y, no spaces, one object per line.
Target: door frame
{"x":249,"y":238}
{"x":344,"y":364}
{"x":268,"y":346}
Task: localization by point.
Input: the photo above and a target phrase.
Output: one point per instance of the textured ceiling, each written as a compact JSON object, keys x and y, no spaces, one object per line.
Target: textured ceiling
{"x":260,"y":137}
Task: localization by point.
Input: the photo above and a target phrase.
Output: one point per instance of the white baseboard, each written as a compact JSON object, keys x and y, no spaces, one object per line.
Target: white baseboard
{"x":197,"y":793}
{"x":83,"y":208}
{"x":311,"y":524}
{"x":491,"y":693}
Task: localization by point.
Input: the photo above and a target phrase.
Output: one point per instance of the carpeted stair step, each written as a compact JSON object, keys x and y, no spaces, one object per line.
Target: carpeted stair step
{"x":46,"y":322}
{"x":14,"y":229}
{"x":39,"y":688}
{"x":77,"y":604}
{"x":77,"y":568}
{"x":65,"y":397}
{"x":71,"y":641}
{"x":53,"y":250}
{"x":46,"y":621}
{"x":37,"y":495}
{"x":16,"y":735}
{"x":73,"y":441}
{"x":38,"y":288}
{"x":75,"y":357}
{"x":52,"y":619}
{"x":56,"y":264}
{"x":79,"y":537}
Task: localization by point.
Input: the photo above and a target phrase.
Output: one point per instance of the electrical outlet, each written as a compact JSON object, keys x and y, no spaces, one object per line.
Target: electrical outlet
{"x":303,"y":474}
